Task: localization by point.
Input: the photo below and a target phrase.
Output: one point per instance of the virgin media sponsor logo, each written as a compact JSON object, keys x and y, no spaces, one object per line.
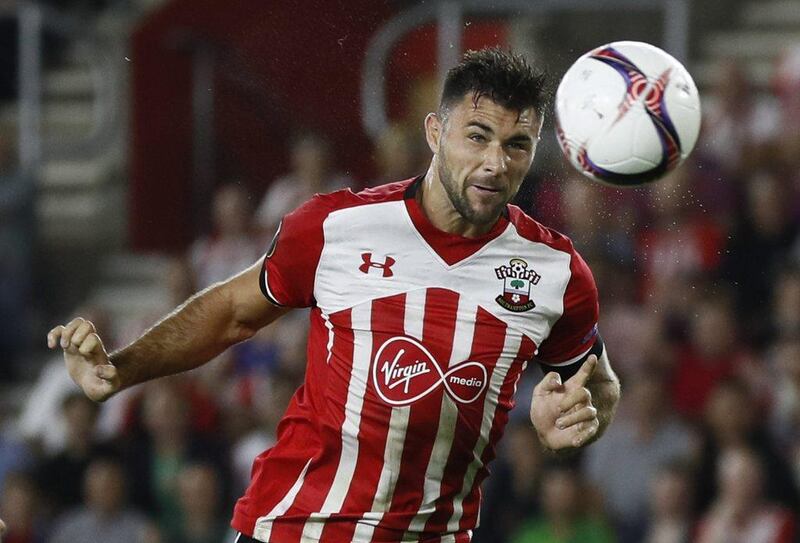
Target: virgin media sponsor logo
{"x":404,"y":371}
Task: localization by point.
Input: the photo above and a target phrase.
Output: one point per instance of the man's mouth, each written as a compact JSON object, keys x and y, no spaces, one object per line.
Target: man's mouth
{"x":486,"y":189}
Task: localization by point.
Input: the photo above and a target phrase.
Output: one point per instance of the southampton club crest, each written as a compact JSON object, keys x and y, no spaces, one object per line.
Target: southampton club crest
{"x":517,"y":281}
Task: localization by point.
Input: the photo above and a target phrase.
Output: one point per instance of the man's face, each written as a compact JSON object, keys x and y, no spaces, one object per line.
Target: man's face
{"x":484,"y":151}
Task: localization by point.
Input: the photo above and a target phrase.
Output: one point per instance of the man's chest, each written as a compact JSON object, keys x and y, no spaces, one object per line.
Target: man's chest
{"x":380,"y":255}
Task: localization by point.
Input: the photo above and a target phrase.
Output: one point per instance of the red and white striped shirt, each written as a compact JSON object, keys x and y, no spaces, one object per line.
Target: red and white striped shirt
{"x":418,"y":338}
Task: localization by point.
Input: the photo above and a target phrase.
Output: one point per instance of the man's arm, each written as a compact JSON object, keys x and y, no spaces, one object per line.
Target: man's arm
{"x":575,"y":413}
{"x":198,"y":330}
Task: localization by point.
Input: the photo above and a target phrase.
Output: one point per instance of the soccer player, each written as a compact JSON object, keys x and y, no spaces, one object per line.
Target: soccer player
{"x":429,"y":297}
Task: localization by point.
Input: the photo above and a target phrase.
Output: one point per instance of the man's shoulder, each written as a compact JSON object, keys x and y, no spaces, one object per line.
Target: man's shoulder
{"x":385,"y":193}
{"x":532,"y":230}
{"x":346,"y":198}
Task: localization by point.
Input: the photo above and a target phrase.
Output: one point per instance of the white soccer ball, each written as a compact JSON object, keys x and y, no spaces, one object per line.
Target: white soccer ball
{"x":627,"y":113}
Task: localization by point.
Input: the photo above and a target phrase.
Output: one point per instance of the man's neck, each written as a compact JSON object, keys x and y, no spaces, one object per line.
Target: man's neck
{"x":437,"y":207}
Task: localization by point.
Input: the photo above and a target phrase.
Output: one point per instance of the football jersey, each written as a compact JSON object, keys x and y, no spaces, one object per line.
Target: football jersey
{"x":417,"y":340}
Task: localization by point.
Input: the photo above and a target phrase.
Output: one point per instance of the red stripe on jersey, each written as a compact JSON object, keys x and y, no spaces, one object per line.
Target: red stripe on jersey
{"x":575,"y":331}
{"x":487,"y":342}
{"x":441,"y":307}
{"x":472,"y":501}
{"x":387,"y":318}
{"x":335,"y":532}
{"x":334,"y":379}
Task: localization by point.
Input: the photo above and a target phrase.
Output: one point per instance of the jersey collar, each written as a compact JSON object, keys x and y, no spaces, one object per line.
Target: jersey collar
{"x":451,"y":248}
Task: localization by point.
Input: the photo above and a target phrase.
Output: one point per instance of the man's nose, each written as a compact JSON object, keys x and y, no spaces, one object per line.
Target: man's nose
{"x":495,"y":160}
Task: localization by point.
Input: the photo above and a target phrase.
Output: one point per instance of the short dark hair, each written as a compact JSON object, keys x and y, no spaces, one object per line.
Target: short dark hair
{"x":504,"y":77}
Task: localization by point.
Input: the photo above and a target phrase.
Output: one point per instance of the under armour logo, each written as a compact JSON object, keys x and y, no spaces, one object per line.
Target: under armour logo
{"x":386,"y":266}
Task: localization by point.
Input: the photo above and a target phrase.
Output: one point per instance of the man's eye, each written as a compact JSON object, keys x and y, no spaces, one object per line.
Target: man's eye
{"x":477,"y":138}
{"x":518,"y":146}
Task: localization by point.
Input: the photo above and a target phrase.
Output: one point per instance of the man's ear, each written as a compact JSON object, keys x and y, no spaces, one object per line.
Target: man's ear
{"x":433,"y":131}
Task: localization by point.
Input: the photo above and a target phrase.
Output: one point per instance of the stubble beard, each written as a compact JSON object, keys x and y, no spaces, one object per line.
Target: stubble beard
{"x":461,"y":202}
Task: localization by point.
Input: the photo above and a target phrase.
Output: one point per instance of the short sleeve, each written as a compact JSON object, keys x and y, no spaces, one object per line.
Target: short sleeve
{"x":575,"y":332}
{"x":290,"y":265}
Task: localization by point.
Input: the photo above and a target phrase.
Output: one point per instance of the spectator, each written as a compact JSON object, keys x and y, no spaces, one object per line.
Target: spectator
{"x":15,"y":455}
{"x":199,"y":499}
{"x":232,"y":245}
{"x":733,"y":421}
{"x":9,"y":51}
{"x":741,"y":514}
{"x":580,"y":209}
{"x":681,"y":243}
{"x":737,"y":123}
{"x":670,"y":519}
{"x":785,"y":308}
{"x":19,"y":503}
{"x":512,"y":492}
{"x":254,"y":361}
{"x":399,"y":154}
{"x":104,"y":516}
{"x":564,"y":517}
{"x":311,"y":173}
{"x":69,"y":466}
{"x":785,"y":417}
{"x":178,"y":284}
{"x":158,"y":455}
{"x":580,"y":216}
{"x":786,"y":85}
{"x":643,"y":438}
{"x":638,"y":335}
{"x":16,"y":239}
{"x":714,"y":351}
{"x":758,"y":247}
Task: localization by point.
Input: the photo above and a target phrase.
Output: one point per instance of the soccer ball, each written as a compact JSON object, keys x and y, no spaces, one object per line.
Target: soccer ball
{"x":627,"y":113}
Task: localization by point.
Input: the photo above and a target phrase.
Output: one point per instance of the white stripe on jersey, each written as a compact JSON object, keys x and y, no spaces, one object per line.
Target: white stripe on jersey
{"x":266,"y":284}
{"x":414,"y":317}
{"x":466,"y":317}
{"x":392,"y":453}
{"x":398,"y":423}
{"x":263,"y":528}
{"x":510,"y":351}
{"x":329,"y":326}
{"x":362,"y":352}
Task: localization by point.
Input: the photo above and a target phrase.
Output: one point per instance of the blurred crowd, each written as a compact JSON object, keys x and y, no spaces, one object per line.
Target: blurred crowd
{"x":699,"y":277}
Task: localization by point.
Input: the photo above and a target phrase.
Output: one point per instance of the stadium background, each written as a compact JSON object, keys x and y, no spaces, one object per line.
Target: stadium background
{"x":148,"y":147}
